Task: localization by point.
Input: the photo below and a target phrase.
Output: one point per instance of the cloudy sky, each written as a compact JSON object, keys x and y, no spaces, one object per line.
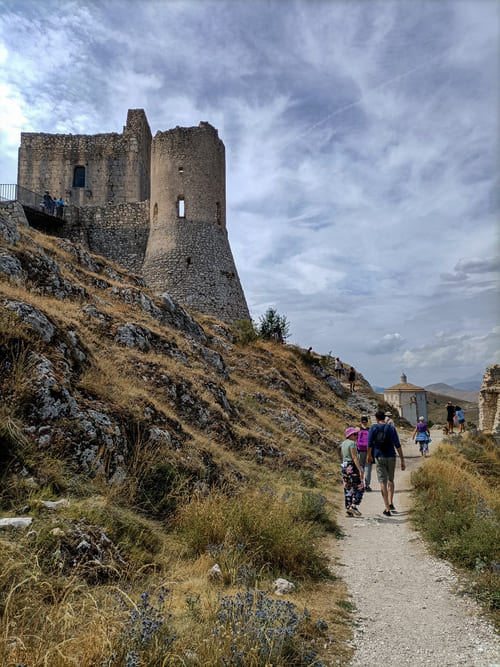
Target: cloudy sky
{"x":362,"y":147}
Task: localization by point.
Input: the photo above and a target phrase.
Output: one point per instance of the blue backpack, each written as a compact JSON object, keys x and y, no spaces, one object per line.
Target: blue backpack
{"x":381,"y":439}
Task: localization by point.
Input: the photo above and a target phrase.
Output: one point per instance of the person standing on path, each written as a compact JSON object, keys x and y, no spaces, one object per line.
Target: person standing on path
{"x":362,"y":447}
{"x":460,"y":418}
{"x":383,"y":442}
{"x":352,"y":473}
{"x":450,"y":413}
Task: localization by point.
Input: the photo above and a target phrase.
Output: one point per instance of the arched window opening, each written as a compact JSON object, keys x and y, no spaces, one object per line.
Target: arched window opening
{"x":188,"y":261}
{"x":218,"y":211}
{"x":79,"y":177}
{"x":180,"y":208}
{"x":155,"y":213}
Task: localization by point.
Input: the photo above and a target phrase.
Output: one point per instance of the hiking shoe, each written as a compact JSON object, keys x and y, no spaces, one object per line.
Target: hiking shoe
{"x":349,"y":512}
{"x":356,"y":511}
{"x":392,"y":508}
{"x":386,"y":513}
{"x":368,"y":487}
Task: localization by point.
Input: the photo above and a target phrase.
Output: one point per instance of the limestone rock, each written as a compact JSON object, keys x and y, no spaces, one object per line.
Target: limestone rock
{"x":34,"y":318}
{"x":215,"y":573}
{"x":10,"y":266}
{"x":16,"y":522}
{"x":134,"y":335}
{"x":283,"y":587}
{"x":55,"y":504}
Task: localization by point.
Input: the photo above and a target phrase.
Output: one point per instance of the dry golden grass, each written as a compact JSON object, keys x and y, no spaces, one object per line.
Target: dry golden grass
{"x":79,"y":614}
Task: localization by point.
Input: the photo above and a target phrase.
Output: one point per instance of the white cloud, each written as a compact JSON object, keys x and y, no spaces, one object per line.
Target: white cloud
{"x":387,"y":344}
{"x":360,"y":166}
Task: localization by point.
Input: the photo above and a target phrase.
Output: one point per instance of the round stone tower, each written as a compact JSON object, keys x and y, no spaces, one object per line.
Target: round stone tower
{"x":188,"y":253}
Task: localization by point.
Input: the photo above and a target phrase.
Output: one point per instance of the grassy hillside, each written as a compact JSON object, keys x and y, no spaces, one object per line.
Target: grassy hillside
{"x":173,"y":448}
{"x":458,"y":511}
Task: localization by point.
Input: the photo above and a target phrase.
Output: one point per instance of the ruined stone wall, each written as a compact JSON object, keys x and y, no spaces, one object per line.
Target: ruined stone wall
{"x":188,"y":253}
{"x":118,"y":232}
{"x":489,"y":401}
{"x":117,"y":166}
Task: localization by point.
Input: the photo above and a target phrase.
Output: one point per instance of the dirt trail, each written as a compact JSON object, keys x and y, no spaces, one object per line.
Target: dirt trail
{"x":406,"y":609}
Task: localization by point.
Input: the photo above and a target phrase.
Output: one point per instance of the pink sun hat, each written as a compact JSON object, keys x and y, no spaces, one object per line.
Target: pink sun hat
{"x":351,"y":431}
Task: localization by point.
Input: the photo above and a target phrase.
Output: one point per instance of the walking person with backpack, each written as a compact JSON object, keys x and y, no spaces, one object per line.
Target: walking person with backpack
{"x":383,"y":443}
{"x":352,"y":473}
{"x":362,"y":446}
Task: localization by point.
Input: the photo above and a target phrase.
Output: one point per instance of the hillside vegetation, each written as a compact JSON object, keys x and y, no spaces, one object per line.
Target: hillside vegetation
{"x":457,"y":509}
{"x":143,"y":447}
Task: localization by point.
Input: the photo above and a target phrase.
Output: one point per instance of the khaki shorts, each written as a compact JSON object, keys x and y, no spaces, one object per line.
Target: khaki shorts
{"x":385,"y":469}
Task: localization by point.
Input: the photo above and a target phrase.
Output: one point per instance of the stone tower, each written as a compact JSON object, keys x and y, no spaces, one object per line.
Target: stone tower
{"x":188,"y":253}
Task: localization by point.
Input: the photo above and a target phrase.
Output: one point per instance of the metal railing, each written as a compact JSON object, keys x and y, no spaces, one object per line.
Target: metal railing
{"x":13,"y":192}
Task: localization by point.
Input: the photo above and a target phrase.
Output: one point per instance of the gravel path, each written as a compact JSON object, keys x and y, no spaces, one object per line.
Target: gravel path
{"x":406,"y":609}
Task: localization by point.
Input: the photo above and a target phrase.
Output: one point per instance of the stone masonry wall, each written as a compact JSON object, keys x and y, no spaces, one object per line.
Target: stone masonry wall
{"x":117,"y":166}
{"x":489,"y":401}
{"x":118,"y":232}
{"x":204,"y":278}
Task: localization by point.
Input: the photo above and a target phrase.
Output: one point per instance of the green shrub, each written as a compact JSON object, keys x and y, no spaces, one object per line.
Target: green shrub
{"x":159,"y":490}
{"x":245,"y":332}
{"x":271,"y":321}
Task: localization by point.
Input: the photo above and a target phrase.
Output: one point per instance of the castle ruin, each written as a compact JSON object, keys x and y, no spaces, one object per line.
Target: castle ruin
{"x":489,"y":401}
{"x":156,"y":206}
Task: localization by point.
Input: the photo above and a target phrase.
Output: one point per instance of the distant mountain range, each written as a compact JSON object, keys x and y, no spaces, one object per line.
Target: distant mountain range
{"x":465,"y":389}
{"x":453,"y":392}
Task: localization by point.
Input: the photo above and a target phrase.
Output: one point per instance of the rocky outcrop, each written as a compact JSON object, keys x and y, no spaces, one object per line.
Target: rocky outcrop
{"x":489,"y":401}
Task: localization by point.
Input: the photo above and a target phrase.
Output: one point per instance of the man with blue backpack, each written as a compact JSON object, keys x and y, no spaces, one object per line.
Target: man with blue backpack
{"x":383,"y":443}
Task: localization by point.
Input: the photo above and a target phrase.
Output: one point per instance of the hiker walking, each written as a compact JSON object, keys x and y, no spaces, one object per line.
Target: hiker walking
{"x":352,"y":378}
{"x":352,"y":473}
{"x":383,"y":442}
{"x":422,"y":436}
{"x":338,"y":368}
{"x":362,"y":447}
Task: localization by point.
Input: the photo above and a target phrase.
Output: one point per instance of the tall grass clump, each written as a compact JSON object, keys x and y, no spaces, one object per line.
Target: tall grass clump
{"x":457,"y":509}
{"x":256,"y":531}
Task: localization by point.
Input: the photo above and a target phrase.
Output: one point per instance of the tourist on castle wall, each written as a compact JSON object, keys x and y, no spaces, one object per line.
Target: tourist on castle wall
{"x":383,"y":442}
{"x":59,"y":207}
{"x":47,"y":202}
{"x":352,"y":473}
{"x":362,"y":447}
{"x":422,"y":436}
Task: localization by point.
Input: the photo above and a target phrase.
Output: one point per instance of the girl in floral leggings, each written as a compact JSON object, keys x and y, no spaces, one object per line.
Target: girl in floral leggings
{"x":352,"y":473}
